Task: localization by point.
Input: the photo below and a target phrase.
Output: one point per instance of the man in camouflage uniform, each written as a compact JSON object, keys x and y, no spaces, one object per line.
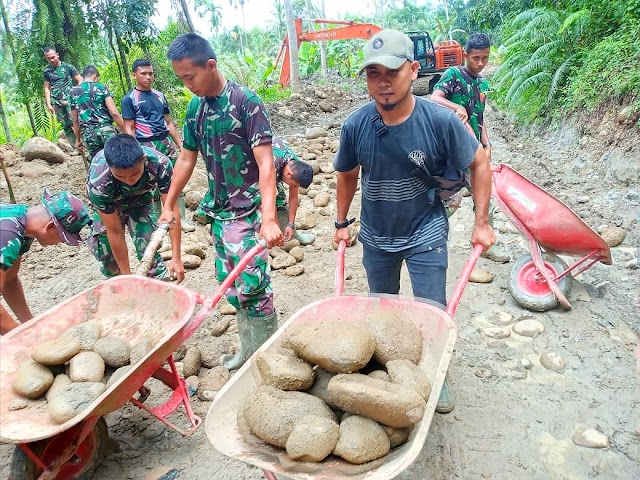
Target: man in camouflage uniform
{"x":295,"y":173}
{"x":93,"y":112}
{"x":59,"y":218}
{"x":59,"y":77}
{"x":147,"y":117}
{"x":228,"y":124}
{"x":121,"y":183}
{"x":464,"y":90}
{"x":292,"y":171}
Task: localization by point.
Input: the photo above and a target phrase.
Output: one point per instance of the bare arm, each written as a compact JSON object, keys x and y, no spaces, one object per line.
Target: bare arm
{"x":294,"y":200}
{"x":115,"y":235}
{"x":439,"y":96}
{"x":129,"y":127}
{"x":47,"y":96}
{"x":176,"y":267}
{"x":76,"y":129}
{"x":481,"y":186}
{"x":172,"y":131}
{"x":347,"y":184}
{"x":11,"y":289}
{"x":78,"y":79}
{"x":182,"y":171}
{"x":269,"y":230}
{"x":484,"y":139}
{"x":113,"y":111}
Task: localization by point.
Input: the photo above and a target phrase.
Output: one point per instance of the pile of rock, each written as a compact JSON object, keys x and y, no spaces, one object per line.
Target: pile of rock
{"x":356,"y":395}
{"x":308,"y":104}
{"x":193,"y":248}
{"x":86,"y":362}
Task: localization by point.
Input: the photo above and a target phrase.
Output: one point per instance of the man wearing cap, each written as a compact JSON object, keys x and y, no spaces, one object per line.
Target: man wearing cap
{"x":397,"y":142}
{"x":59,"y":218}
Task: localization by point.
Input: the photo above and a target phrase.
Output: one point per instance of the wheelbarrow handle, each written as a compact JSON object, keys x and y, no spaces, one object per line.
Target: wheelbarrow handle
{"x":452,"y":304}
{"x":342,"y":247}
{"x":212,"y":301}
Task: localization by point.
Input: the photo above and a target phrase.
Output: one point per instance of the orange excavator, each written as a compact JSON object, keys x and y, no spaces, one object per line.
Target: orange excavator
{"x":433,"y":57}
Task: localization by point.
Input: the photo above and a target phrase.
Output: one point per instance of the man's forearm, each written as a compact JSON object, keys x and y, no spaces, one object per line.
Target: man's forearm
{"x":481,"y":185}
{"x":13,"y":294}
{"x":181,"y":174}
{"x":120,"y":251}
{"x":175,"y":234}
{"x":347,"y":185}
{"x":174,"y":136}
{"x":293,"y":204}
{"x":7,"y":322}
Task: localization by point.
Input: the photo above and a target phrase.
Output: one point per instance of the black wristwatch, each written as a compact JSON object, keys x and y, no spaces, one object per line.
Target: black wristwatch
{"x":344,"y":224}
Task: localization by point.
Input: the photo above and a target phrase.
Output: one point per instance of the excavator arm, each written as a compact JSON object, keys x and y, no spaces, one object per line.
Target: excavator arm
{"x":349,"y":30}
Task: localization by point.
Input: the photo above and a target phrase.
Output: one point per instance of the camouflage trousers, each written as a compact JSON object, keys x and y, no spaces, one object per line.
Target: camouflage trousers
{"x":95,"y":136}
{"x":165,"y":146}
{"x":281,"y":197}
{"x":252,"y":289}
{"x":141,"y":221}
{"x":63,"y":114}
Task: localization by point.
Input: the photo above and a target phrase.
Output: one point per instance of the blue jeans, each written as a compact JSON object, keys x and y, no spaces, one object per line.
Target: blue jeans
{"x":427,"y":270}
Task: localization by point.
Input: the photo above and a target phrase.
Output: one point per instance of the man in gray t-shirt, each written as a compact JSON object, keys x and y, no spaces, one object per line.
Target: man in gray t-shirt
{"x":393,"y":140}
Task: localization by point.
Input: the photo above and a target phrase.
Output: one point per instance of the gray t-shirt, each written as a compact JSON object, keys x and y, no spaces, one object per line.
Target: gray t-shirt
{"x":399,"y":209}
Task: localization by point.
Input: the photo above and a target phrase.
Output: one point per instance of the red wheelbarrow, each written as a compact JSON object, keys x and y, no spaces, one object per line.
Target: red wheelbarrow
{"x":542,"y":280}
{"x":439,"y":335}
{"x":130,"y":307}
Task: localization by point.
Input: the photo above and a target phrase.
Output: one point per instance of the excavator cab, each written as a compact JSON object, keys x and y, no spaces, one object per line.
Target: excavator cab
{"x":423,"y":51}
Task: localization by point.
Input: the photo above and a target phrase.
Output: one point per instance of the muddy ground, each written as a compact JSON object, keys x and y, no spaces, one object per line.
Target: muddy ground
{"x":514,"y":417}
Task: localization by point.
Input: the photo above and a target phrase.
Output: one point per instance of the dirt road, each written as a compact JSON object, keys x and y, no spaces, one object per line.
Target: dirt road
{"x":514,"y":418}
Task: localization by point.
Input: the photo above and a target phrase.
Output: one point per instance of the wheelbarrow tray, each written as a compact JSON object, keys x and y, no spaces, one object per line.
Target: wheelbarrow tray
{"x":551,"y":223}
{"x":438,"y":334}
{"x":129,"y":307}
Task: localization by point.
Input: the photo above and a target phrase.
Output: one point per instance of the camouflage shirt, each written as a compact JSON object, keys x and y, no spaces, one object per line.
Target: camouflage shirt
{"x":225,"y":129}
{"x":60,"y":80}
{"x":88,"y":99}
{"x":459,"y":91}
{"x":13,"y":241}
{"x":107,"y":194}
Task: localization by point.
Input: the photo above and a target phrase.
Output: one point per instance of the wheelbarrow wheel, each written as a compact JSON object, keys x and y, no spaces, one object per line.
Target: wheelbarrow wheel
{"x":529,"y":289}
{"x":80,"y":467}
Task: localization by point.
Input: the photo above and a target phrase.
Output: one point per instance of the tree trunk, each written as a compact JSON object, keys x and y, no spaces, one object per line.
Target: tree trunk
{"x":293,"y":47}
{"x":187,"y":16}
{"x":123,"y":59}
{"x":323,"y":48}
{"x":5,"y":122}
{"x":14,"y":56}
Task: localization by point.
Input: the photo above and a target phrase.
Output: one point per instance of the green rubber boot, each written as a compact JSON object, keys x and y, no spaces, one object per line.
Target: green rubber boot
{"x":446,"y":401}
{"x":304,"y":238}
{"x":231,"y":362}
{"x":184,"y":224}
{"x":262,"y":328}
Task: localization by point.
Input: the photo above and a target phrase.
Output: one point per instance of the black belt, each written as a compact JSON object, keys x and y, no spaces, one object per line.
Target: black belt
{"x":155,"y":138}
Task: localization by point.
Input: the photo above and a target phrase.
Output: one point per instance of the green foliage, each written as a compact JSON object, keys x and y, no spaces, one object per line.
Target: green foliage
{"x":556,"y":60}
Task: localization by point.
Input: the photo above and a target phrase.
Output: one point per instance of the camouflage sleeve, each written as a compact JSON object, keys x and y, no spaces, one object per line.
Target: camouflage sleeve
{"x":256,"y":120}
{"x":45,"y":75}
{"x":107,"y":92}
{"x":447,"y":82}
{"x":73,"y":71}
{"x":165,"y":173}
{"x":10,"y":242}
{"x":189,"y":134}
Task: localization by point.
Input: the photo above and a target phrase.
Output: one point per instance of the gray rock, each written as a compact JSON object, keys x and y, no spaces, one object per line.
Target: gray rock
{"x":192,"y":361}
{"x":211,"y":382}
{"x":114,"y":351}
{"x":193,"y":198}
{"x":590,"y":438}
{"x":294,"y":270}
{"x":613,"y":236}
{"x":321,"y":200}
{"x":57,"y":351}
{"x":497,"y":332}
{"x":315,"y":132}
{"x":39,"y":147}
{"x":282,"y":261}
{"x":553,"y":361}
{"x":87,"y":333}
{"x":86,"y":367}
{"x":528,"y":328}
{"x":74,"y":398}
{"x":32,"y":379}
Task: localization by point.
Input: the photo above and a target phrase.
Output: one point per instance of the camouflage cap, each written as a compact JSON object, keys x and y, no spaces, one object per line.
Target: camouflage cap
{"x":68,"y":213}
